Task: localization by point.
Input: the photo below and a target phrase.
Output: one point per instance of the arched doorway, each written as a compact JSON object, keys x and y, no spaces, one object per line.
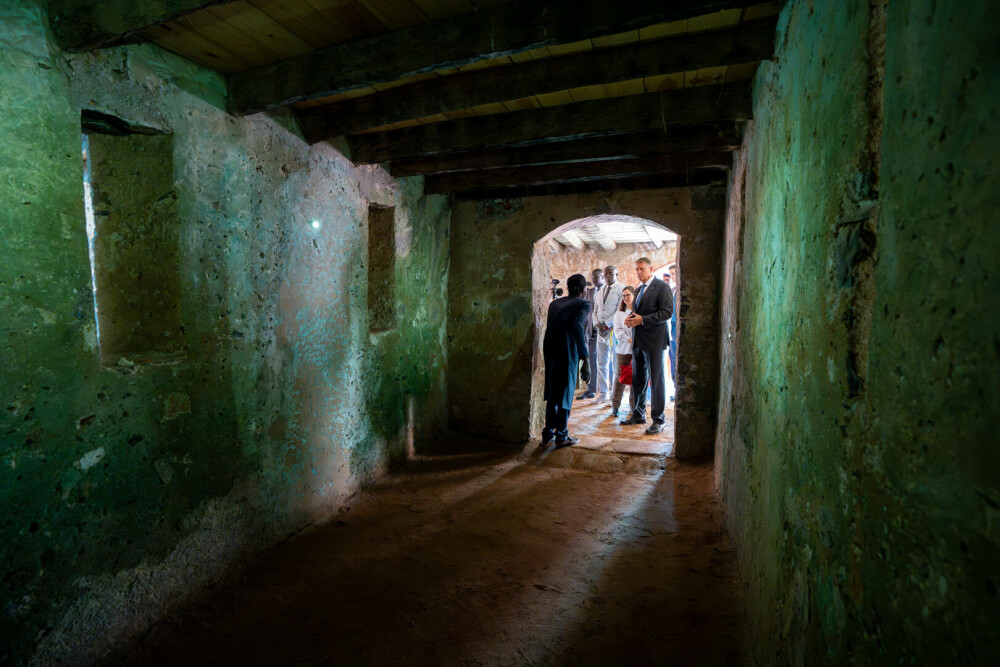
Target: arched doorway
{"x":492,"y":324}
{"x":580,"y":246}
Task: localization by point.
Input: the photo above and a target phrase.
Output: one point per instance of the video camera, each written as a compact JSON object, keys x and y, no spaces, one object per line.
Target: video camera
{"x":556,"y":291}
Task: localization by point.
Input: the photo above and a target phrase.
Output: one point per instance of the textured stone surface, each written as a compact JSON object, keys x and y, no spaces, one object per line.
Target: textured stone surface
{"x":499,"y":289}
{"x":856,"y":452}
{"x":284,"y":404}
{"x":642,"y":448}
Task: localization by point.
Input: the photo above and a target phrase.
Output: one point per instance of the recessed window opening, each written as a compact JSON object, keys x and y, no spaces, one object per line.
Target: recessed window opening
{"x":88,"y":206}
{"x":381,"y":268}
{"x":605,"y":250}
{"x":132,"y":239}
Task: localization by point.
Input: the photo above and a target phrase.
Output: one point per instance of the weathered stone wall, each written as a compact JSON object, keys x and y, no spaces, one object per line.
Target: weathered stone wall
{"x":494,"y":372}
{"x":564,"y":262}
{"x":125,"y":489}
{"x":856,"y":452}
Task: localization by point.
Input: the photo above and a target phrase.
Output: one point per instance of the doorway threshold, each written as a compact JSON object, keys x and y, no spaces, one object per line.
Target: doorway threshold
{"x":601,"y":454}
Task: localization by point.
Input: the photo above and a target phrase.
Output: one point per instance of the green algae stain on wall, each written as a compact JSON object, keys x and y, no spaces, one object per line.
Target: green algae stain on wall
{"x":514,"y":308}
{"x":409,"y":358}
{"x":126,"y":489}
{"x":936,"y":328}
{"x":858,"y":522}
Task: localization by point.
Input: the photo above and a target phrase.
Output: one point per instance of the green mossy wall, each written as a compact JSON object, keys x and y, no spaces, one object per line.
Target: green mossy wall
{"x":125,"y":489}
{"x":856,"y":453}
{"x":135,"y":246}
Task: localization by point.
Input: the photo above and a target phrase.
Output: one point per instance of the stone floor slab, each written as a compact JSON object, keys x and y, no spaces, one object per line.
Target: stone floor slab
{"x":591,"y":443}
{"x":642,"y":447}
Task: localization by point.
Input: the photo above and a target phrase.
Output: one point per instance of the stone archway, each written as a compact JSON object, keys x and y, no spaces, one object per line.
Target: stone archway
{"x":660,"y":243}
{"x":491,"y":319}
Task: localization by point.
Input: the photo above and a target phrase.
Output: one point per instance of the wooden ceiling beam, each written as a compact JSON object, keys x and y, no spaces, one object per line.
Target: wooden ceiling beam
{"x":466,"y":90}
{"x":451,"y":42}
{"x":573,"y":171}
{"x":620,"y":115}
{"x":700,"y":178}
{"x":655,"y":238}
{"x":571,"y":238}
{"x":602,"y":240}
{"x":722,"y":137}
{"x":82,"y":25}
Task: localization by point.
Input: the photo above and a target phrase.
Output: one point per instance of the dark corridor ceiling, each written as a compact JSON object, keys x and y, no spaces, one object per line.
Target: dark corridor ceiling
{"x":484,"y":97}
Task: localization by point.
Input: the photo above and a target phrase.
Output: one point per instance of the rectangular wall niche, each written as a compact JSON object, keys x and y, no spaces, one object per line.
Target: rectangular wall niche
{"x":134,"y":258}
{"x":381,"y":268}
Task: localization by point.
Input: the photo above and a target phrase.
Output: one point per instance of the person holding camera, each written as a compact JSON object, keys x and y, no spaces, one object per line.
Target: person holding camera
{"x":564,"y":350}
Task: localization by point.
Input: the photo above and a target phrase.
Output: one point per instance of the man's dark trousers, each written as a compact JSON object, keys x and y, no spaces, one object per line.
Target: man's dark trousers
{"x":647,"y":370}
{"x":592,"y":351}
{"x":591,"y":332}
{"x":556,"y":420}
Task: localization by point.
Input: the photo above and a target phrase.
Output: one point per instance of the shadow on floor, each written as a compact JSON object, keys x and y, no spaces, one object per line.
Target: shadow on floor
{"x":494,"y":563}
{"x":454,"y":443}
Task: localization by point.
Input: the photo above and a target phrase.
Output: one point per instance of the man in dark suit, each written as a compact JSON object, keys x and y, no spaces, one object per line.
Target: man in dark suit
{"x":564,"y":346}
{"x":651,"y":310}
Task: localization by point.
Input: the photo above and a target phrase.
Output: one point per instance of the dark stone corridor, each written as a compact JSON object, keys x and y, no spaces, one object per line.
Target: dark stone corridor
{"x":275,"y":278}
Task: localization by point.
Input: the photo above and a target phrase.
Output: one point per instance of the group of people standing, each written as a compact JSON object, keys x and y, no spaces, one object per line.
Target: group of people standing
{"x":623,"y":328}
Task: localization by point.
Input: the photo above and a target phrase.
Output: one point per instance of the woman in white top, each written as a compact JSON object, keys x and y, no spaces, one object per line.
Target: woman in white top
{"x":623,"y":350}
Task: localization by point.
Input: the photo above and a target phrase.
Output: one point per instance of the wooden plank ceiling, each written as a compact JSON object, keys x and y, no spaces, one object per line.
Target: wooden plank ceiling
{"x":484,"y":97}
{"x":606,"y":231}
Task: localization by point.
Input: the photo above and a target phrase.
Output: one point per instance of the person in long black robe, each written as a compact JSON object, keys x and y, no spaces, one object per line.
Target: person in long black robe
{"x":564,"y":346}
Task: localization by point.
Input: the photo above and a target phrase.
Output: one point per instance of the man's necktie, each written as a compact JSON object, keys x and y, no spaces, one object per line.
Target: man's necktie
{"x":639,"y":295}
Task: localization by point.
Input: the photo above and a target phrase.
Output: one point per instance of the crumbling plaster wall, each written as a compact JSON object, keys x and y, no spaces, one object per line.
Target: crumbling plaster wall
{"x":857,"y":448}
{"x":494,"y":372}
{"x":125,"y":489}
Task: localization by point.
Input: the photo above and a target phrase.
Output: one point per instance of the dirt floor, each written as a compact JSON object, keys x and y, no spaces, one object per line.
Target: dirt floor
{"x":486,"y":559}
